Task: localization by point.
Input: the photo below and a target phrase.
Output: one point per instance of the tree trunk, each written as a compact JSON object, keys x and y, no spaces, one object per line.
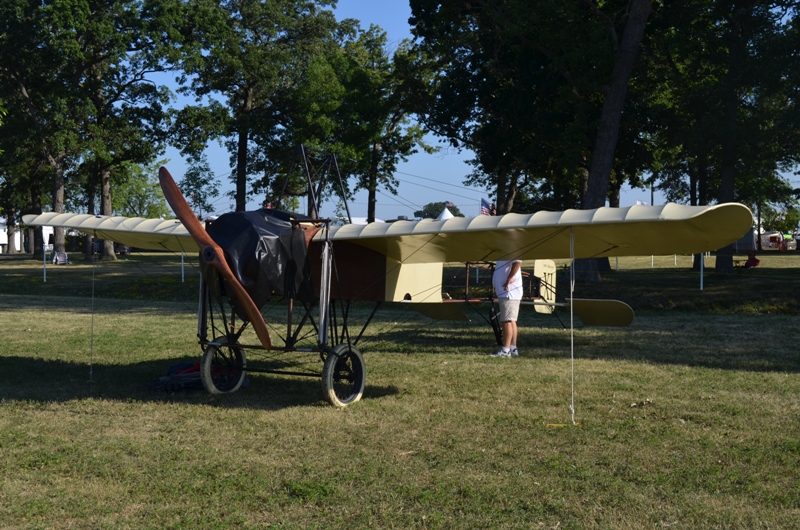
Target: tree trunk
{"x":35,"y":235}
{"x":241,"y":153}
{"x":11,"y":230}
{"x":38,"y":244}
{"x":88,"y":250}
{"x":700,"y":176}
{"x":241,"y":170}
{"x":611,"y":114}
{"x":605,"y":144}
{"x":730,"y":140}
{"x":372,"y":183}
{"x":58,"y":199}
{"x":506,"y":192}
{"x":105,"y":209}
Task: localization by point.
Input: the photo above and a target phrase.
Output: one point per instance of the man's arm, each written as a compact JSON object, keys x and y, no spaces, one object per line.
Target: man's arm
{"x":511,"y":273}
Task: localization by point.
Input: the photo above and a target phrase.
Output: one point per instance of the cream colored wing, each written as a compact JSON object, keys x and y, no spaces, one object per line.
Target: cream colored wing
{"x":155,"y":234}
{"x":632,"y":231}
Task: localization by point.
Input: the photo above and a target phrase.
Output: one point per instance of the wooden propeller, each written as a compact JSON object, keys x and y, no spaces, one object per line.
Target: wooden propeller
{"x":212,"y":254}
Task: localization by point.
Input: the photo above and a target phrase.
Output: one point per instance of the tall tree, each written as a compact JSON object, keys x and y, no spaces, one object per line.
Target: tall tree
{"x":375,"y":112}
{"x":252,"y":54}
{"x":626,"y":50}
{"x":79,"y":70}
{"x":533,"y":101}
{"x":140,"y":195}
{"x":722,"y":86}
{"x":34,"y":76}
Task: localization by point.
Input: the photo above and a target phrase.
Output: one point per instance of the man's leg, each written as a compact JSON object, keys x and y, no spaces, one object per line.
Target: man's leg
{"x":509,"y":333}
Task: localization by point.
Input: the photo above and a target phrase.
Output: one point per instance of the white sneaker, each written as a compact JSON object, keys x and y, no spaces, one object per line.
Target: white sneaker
{"x":514,"y":352}
{"x":501,"y":353}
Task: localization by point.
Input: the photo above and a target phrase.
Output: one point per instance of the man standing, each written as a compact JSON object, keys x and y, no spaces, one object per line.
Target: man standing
{"x":507,"y":281}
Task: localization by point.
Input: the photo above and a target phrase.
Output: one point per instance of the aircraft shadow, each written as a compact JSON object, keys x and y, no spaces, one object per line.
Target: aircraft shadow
{"x":42,"y":380}
{"x":703,"y":356}
{"x":685,"y":347}
{"x":75,"y":305}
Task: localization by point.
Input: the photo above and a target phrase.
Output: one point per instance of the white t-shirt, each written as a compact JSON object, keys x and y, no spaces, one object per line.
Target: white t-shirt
{"x":501,"y":270}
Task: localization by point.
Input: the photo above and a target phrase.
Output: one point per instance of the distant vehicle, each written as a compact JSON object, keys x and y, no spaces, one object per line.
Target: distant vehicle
{"x":777,"y":241}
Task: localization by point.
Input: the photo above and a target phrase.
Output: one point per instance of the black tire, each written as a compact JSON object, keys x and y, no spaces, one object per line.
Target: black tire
{"x":222,"y":368}
{"x":343,"y":375}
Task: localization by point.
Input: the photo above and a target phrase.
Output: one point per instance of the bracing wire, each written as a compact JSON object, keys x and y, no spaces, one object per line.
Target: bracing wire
{"x":572,"y":321}
{"x":91,"y":334}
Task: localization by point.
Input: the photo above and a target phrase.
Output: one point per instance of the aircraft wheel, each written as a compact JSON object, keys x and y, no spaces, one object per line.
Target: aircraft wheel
{"x":343,"y":375}
{"x":222,"y":368}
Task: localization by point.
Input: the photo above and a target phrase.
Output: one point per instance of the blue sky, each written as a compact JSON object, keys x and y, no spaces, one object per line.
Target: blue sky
{"x":424,"y":178}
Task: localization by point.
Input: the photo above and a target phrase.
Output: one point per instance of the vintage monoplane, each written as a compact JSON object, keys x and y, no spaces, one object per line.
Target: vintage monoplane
{"x":247,"y":257}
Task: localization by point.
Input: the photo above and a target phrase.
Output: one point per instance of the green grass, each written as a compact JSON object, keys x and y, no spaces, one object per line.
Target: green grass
{"x":690,"y":418}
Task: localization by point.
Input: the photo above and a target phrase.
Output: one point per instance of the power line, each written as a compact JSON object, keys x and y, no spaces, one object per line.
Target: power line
{"x":440,"y":182}
{"x":442,"y":191}
{"x":407,"y":204}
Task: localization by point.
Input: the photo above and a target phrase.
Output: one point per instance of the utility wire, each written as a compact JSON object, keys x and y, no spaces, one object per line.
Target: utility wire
{"x":407,"y":204}
{"x":442,"y":191}
{"x":440,"y":182}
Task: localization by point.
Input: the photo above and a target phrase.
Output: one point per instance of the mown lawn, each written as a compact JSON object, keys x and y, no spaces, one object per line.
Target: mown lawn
{"x":690,"y":418}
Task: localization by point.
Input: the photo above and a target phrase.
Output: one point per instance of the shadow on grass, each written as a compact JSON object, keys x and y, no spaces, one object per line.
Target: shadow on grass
{"x":42,"y":380}
{"x":722,"y":343}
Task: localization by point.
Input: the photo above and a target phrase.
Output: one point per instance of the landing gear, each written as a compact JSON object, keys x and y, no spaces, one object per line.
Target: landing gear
{"x":343,"y":375}
{"x":222,"y":368}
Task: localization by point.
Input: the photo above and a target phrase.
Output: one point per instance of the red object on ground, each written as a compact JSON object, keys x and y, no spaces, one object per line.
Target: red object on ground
{"x":752,"y":261}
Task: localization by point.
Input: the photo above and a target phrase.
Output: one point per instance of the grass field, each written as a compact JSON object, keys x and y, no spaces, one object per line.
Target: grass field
{"x":690,"y":418}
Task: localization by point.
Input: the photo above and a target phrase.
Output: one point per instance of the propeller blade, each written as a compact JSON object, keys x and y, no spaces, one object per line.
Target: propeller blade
{"x":211,"y":253}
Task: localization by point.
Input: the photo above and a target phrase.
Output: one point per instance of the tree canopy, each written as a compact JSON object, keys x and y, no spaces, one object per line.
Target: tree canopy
{"x":562,"y":101}
{"x":433,"y":209}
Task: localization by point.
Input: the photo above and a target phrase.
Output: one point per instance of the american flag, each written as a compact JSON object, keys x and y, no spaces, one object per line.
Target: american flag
{"x":449,"y":204}
{"x":487,"y":208}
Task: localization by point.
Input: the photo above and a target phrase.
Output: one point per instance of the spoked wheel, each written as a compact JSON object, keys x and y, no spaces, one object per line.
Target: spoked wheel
{"x":222,"y":368}
{"x":343,"y":375}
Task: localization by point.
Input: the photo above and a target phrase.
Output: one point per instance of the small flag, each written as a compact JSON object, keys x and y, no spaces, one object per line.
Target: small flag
{"x":487,"y":208}
{"x":642,"y":203}
{"x":449,"y":204}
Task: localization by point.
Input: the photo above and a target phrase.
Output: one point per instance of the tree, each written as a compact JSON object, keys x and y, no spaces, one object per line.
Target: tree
{"x":140,"y":195}
{"x":433,"y":209}
{"x":626,"y":50}
{"x":722,"y":82}
{"x":35,"y":82}
{"x":375,"y":112}
{"x":199,"y":186}
{"x":77,"y":71}
{"x":784,"y":221}
{"x":2,"y":113}
{"x":518,"y":88}
{"x":252,"y":54}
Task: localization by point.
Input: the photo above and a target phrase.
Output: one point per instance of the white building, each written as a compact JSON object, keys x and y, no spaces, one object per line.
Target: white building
{"x":47,"y":231}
